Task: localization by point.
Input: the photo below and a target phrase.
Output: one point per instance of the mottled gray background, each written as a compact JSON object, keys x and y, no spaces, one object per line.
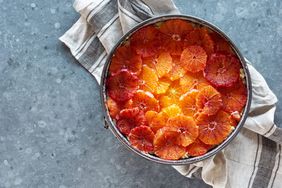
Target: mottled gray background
{"x":51,"y":133}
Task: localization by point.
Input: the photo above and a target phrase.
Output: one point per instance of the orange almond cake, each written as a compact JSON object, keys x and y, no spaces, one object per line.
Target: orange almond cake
{"x":175,"y":90}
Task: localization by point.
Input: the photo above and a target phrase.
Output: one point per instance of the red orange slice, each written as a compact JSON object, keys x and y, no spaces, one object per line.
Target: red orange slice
{"x":122,"y":85}
{"x":125,"y":58}
{"x":175,"y":30}
{"x":201,"y":37}
{"x":142,"y":138}
{"x":130,"y":118}
{"x":235,"y":98}
{"x":146,"y":41}
{"x":197,"y":148}
{"x":222,"y":70}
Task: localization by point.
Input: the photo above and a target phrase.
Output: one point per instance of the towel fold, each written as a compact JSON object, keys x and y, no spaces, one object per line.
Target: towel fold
{"x":252,"y":159}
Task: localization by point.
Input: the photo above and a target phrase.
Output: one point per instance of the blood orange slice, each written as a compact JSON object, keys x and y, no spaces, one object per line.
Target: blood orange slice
{"x":235,"y":98}
{"x":175,"y":30}
{"x":187,"y":128}
{"x":221,"y":45}
{"x":214,"y":129}
{"x":194,"y":37}
{"x":193,"y":58}
{"x":145,"y":101}
{"x":208,"y":100}
{"x":142,"y":138}
{"x":165,"y":144}
{"x":201,"y":37}
{"x":122,"y":85}
{"x":198,"y":148}
{"x":188,"y":102}
{"x":125,"y":58}
{"x":206,"y":41}
{"x":222,"y":70}
{"x":130,"y":118}
{"x":146,"y":41}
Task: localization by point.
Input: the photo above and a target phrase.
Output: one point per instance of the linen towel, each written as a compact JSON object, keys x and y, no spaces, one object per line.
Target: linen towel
{"x":252,"y":159}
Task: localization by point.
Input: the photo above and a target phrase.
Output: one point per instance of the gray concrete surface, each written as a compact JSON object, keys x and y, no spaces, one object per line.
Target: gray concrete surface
{"x":51,"y":133}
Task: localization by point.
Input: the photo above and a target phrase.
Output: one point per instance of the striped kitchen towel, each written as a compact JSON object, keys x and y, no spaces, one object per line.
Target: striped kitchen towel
{"x":252,"y":159}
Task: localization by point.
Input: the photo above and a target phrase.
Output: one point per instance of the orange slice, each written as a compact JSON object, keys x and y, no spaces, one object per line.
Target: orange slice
{"x":176,"y":71}
{"x":165,"y":144}
{"x":172,"y":110}
{"x":206,"y":41}
{"x":130,"y":118}
{"x":208,"y":100}
{"x":145,"y":101}
{"x":163,"y":64}
{"x":159,"y":121}
{"x":113,"y":108}
{"x":220,"y":44}
{"x":188,"y":102}
{"x":165,"y":101}
{"x":146,"y":41}
{"x":189,"y":80}
{"x":194,"y":37}
{"x":149,"y":78}
{"x":142,"y":138}
{"x":193,"y":58}
{"x":222,"y":70}
{"x":122,"y":85}
{"x":193,"y":81}
{"x":125,"y":58}
{"x":197,"y":148}
{"x":150,"y":62}
{"x":175,"y":91}
{"x":162,"y":87}
{"x":175,"y":30}
{"x":235,"y":98}
{"x":201,"y":37}
{"x":214,"y":129}
{"x":187,"y":128}
{"x":150,"y":115}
